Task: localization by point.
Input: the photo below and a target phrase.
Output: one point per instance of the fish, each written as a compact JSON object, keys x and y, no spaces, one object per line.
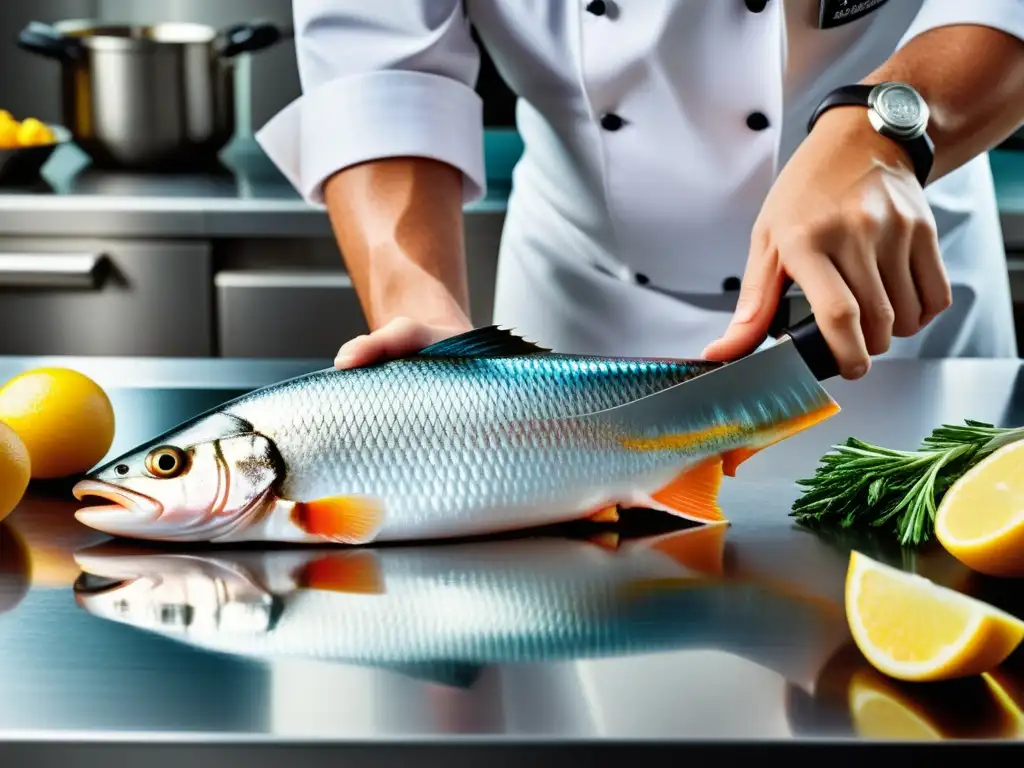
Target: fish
{"x":442,"y":613}
{"x":479,"y":434}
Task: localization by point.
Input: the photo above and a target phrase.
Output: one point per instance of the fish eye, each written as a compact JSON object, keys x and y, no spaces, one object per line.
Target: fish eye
{"x":166,"y":462}
{"x":121,"y":469}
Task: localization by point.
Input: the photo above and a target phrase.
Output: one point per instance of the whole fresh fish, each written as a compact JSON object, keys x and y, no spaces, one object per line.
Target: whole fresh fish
{"x":444,"y":612}
{"x":482,"y":433}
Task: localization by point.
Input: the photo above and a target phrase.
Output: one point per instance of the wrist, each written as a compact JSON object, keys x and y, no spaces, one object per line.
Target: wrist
{"x":850,"y":129}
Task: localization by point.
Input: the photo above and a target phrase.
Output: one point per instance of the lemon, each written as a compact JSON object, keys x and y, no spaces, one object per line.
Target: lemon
{"x":8,"y":135}
{"x":980,"y":520}
{"x":34,"y":132}
{"x":881,"y":713}
{"x":912,"y":629}
{"x":15,"y":469}
{"x":64,"y":418}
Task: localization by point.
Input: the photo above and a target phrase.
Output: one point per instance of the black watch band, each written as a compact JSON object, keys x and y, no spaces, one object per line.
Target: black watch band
{"x":921,"y":149}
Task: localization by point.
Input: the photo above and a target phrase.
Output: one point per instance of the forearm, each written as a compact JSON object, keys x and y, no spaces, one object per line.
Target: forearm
{"x":399,"y":225}
{"x":972,"y":78}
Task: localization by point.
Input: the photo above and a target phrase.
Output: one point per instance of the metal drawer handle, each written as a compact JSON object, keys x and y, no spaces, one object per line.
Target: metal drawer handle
{"x":44,"y":270}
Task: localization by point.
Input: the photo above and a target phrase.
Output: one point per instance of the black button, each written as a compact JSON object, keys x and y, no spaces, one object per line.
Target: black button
{"x":642,"y":279}
{"x":611,"y":122}
{"x":597,"y":7}
{"x":756,"y":6}
{"x":731,"y":284}
{"x":757,"y":121}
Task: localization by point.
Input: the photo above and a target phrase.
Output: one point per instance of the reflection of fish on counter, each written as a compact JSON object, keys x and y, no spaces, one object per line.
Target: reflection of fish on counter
{"x":478,"y":434}
{"x":444,"y":612}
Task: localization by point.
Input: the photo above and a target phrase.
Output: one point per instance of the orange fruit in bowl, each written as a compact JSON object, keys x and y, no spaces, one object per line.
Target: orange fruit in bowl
{"x":15,"y":469}
{"x":64,"y":418}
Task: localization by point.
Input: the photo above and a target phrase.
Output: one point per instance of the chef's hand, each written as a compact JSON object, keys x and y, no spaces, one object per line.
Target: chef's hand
{"x":848,"y":221}
{"x":399,"y":337}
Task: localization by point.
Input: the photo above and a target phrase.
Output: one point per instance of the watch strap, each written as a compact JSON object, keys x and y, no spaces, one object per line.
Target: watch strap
{"x":921,"y":150}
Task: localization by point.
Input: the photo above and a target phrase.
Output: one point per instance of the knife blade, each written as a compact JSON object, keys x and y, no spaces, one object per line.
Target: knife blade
{"x":770,"y":387}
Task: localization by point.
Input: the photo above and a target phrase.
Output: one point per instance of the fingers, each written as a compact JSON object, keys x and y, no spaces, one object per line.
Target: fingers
{"x":894,"y":267}
{"x":859,"y":269}
{"x":397,"y":338}
{"x":929,"y":275}
{"x":759,"y":298}
{"x":835,"y":308}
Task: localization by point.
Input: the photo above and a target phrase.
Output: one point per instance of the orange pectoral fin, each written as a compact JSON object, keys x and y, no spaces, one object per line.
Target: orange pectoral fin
{"x":341,"y":519}
{"x":693,"y":494}
{"x":351,"y":572}
{"x":700,"y":550}
{"x":732,"y":459}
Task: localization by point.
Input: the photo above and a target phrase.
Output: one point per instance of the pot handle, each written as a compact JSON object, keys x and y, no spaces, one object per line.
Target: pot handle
{"x":251,"y":37}
{"x":45,"y":40}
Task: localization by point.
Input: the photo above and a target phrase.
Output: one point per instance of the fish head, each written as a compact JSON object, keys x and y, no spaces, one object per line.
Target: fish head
{"x":180,"y":596}
{"x":205,"y":480}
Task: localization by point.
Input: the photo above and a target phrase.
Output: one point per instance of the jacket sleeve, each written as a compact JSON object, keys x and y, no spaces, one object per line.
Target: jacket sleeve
{"x":1004,"y":15}
{"x":380,"y":78}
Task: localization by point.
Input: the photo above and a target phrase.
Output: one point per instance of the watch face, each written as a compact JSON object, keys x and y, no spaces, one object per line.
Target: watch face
{"x":900,"y":106}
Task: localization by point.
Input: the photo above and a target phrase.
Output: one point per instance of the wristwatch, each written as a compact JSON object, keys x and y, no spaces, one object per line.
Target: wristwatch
{"x":895,"y":110}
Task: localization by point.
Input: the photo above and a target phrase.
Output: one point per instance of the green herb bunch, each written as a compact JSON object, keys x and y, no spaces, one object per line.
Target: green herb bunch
{"x":860,"y":485}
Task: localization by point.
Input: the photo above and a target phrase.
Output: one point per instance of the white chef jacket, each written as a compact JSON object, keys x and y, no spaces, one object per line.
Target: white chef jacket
{"x":622,"y":232}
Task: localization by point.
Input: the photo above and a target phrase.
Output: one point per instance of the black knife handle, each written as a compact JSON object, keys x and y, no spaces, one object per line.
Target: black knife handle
{"x":811,"y":345}
{"x":813,"y":348}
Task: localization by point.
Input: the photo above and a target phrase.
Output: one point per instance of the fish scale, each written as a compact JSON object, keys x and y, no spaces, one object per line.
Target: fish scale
{"x":432,"y":438}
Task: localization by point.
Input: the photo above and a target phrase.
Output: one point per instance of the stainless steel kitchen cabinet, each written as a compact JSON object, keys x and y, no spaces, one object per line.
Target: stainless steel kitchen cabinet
{"x":279,"y":313}
{"x":286,"y":298}
{"x":82,"y":296}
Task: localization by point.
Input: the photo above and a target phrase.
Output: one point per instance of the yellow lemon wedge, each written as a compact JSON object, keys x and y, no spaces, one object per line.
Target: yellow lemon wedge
{"x":912,"y":629}
{"x":881,"y":712}
{"x":980,"y":520}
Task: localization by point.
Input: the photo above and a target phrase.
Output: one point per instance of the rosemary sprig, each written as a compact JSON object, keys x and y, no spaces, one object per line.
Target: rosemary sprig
{"x":864,"y":486}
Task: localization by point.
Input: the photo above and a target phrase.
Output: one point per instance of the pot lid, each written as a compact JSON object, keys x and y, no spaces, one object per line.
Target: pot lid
{"x":100,"y":35}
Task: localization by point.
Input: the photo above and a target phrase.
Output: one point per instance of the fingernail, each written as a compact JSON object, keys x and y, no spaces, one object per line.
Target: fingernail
{"x":858,"y":370}
{"x":343,"y":361}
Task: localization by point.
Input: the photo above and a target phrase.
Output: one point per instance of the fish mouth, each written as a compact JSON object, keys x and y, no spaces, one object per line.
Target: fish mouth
{"x":93,"y":584}
{"x":128,"y":510}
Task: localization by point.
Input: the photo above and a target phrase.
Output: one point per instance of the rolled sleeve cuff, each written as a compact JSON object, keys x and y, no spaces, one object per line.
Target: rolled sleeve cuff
{"x":1004,"y":15}
{"x":377,"y":115}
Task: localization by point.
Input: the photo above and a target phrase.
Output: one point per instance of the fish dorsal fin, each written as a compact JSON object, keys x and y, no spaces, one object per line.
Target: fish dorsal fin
{"x":490,"y":341}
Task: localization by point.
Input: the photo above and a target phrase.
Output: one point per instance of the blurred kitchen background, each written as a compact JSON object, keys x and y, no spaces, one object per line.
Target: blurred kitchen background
{"x":224,"y":260}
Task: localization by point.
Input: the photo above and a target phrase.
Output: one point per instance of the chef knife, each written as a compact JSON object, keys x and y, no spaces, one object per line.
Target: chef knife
{"x":774,"y":385}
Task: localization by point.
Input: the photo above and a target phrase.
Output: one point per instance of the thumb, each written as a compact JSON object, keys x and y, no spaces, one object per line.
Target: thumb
{"x":758,"y":300}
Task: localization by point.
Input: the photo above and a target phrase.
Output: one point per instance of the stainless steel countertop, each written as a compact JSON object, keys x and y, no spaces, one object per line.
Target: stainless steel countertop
{"x":248,"y":197}
{"x":759,"y":651}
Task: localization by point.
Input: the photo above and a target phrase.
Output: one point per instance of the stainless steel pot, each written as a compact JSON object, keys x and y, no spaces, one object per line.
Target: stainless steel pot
{"x":148,"y":97}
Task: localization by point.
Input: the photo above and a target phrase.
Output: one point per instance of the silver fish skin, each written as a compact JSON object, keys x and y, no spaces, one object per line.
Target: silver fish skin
{"x":481,"y":434}
{"x":441,"y":612}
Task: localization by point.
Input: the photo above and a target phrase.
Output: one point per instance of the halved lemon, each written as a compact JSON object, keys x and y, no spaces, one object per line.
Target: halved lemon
{"x":912,"y":629}
{"x":980,"y":520}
